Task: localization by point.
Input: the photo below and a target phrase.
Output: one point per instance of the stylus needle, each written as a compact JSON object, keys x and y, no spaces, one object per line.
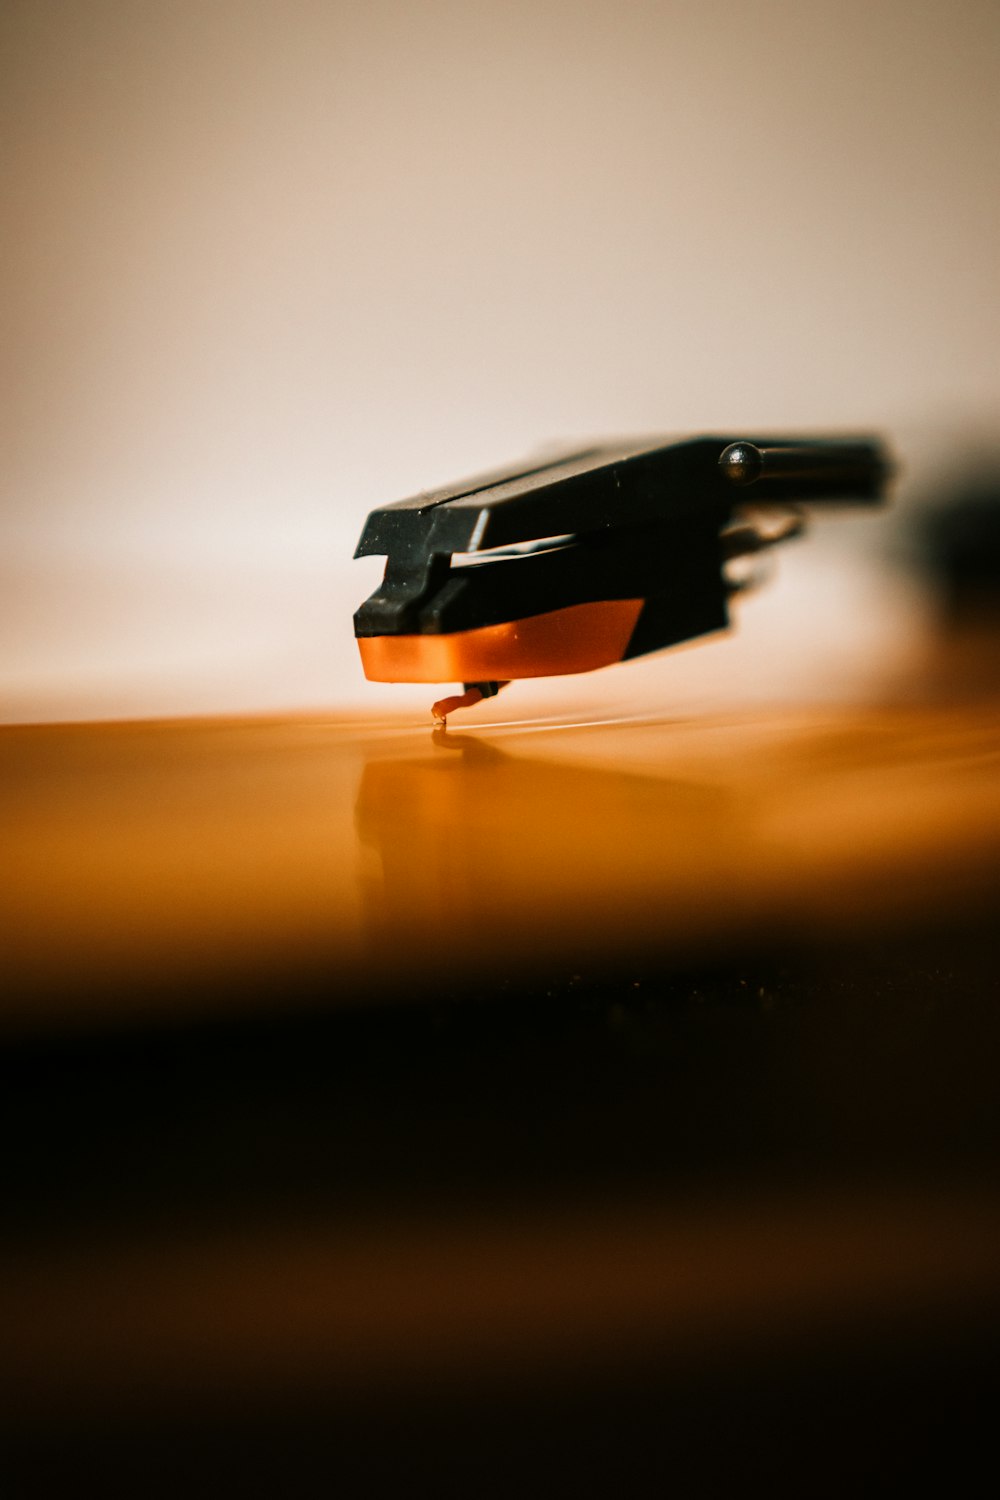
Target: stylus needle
{"x":474,"y":693}
{"x":445,"y":706}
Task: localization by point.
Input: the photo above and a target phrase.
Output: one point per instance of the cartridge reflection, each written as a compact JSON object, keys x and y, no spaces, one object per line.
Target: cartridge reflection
{"x":482,"y":854}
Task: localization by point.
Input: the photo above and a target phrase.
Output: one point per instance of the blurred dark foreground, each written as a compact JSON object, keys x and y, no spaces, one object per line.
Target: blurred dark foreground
{"x":673,"y":1228}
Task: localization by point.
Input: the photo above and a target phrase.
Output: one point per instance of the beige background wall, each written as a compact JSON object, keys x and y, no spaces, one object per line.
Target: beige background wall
{"x":268,"y":264}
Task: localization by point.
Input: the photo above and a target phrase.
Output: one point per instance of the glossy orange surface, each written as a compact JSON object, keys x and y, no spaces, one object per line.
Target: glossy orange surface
{"x":580,"y":638}
{"x":140,"y":857}
{"x":232,"y":1199}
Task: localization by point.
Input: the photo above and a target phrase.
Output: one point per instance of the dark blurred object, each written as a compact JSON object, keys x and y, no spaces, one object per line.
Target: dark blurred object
{"x":959,"y":542}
